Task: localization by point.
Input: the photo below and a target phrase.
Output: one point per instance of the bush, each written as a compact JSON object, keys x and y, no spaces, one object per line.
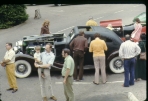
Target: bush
{"x":11,"y":15}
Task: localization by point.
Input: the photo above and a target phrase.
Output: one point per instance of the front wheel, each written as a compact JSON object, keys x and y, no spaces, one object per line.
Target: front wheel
{"x":22,"y":68}
{"x":116,"y":65}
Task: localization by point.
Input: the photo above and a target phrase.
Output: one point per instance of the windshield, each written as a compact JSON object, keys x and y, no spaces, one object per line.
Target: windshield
{"x":71,"y":34}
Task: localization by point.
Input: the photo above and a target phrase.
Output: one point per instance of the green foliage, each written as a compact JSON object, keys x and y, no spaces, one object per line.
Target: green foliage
{"x":12,"y":14}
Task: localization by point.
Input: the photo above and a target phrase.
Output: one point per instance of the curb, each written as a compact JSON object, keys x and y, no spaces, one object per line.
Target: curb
{"x":132,"y":97}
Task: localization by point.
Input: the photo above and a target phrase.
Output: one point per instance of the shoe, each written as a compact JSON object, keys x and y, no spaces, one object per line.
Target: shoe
{"x":9,"y":89}
{"x":95,"y":83}
{"x":125,"y":86}
{"x":53,"y":98}
{"x":43,"y":76}
{"x":77,"y":79}
{"x":45,"y":99}
{"x":104,"y":82}
{"x":15,"y":90}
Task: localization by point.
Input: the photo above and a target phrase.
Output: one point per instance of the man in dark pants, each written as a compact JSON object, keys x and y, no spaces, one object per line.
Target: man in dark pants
{"x":128,"y":50}
{"x":79,"y":46}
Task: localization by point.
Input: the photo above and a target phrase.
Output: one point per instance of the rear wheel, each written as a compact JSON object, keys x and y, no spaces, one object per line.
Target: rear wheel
{"x":116,"y":65}
{"x":22,"y":68}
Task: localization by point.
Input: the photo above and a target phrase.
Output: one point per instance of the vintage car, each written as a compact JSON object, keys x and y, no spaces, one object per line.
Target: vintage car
{"x":121,"y":30}
{"x":25,"y":49}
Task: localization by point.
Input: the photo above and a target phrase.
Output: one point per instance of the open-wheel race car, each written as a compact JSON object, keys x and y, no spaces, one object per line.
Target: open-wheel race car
{"x":25,"y":49}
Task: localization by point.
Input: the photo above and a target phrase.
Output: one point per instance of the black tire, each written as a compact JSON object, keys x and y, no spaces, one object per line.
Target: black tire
{"x":22,"y":69}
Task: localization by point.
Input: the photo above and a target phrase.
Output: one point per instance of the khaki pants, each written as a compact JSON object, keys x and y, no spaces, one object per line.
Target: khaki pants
{"x":99,"y":63}
{"x":10,"y":71}
{"x":46,"y":87}
{"x":68,"y":90}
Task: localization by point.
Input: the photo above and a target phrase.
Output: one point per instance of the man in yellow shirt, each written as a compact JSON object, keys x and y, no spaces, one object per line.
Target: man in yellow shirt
{"x":98,"y":47}
{"x":9,"y":62}
{"x":91,"y":22}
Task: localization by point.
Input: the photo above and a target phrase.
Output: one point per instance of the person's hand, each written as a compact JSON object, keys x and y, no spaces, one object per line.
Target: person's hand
{"x":64,"y":81}
{"x":122,"y":59}
{"x":2,"y":64}
{"x":36,"y":65}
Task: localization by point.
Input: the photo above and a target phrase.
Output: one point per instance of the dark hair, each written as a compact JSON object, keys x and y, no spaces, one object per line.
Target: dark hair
{"x":96,"y":35}
{"x":49,"y":45}
{"x":137,"y":20}
{"x":10,"y":44}
{"x":66,"y":50}
{"x":143,"y":36}
{"x":127,"y":37}
{"x":81,"y":33}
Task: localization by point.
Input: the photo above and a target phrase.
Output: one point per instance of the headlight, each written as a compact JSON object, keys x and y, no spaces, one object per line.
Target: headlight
{"x":19,"y":43}
{"x":15,"y":48}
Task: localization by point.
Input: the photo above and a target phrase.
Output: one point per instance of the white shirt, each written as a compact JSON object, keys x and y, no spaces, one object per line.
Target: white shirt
{"x":38,"y":56}
{"x":129,"y":49}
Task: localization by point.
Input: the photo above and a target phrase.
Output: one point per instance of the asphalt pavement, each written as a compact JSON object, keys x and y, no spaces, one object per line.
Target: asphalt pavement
{"x":63,"y":19}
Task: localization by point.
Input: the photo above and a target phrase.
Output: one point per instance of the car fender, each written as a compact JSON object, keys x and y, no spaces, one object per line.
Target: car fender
{"x":22,"y":56}
{"x":112,"y":55}
{"x":26,"y":57}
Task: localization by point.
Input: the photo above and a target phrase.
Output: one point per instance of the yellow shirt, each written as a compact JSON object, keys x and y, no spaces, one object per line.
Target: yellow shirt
{"x":91,"y":23}
{"x":98,"y":46}
{"x":10,"y":55}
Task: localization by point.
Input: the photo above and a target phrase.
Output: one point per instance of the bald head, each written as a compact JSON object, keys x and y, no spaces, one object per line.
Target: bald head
{"x":127,"y":37}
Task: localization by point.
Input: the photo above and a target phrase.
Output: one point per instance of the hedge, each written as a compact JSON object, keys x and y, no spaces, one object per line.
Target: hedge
{"x":12,"y":14}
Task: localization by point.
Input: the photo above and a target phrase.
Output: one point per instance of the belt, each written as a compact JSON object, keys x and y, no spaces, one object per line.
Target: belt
{"x":68,"y":76}
{"x":10,"y":64}
{"x":128,"y":58}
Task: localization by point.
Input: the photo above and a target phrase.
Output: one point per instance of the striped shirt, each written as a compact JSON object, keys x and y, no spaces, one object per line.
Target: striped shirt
{"x":129,"y":49}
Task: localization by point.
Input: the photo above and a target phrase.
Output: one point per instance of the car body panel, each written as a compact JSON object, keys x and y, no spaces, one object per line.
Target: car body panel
{"x":113,"y":43}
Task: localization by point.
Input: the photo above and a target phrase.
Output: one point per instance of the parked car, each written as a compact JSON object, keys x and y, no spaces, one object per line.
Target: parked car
{"x":25,"y":49}
{"x":121,"y":30}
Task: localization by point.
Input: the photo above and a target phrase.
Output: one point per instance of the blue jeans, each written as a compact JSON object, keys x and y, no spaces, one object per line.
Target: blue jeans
{"x":129,"y":71}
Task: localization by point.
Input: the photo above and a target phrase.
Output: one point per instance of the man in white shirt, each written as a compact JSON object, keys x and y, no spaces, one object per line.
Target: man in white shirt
{"x":128,"y":50}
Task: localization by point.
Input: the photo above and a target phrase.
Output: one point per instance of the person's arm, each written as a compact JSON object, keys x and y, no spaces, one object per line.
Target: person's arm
{"x":50,"y":63}
{"x":121,"y":54}
{"x":86,"y":45}
{"x":11,"y":55}
{"x":105,"y":46}
{"x":68,"y":66}
{"x":42,"y":31}
{"x":90,"y":47}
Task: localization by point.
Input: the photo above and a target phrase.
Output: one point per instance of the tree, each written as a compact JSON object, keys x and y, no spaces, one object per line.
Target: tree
{"x":12,"y":14}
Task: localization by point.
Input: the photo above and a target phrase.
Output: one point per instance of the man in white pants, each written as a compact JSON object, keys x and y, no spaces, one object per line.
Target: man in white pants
{"x":47,"y":59}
